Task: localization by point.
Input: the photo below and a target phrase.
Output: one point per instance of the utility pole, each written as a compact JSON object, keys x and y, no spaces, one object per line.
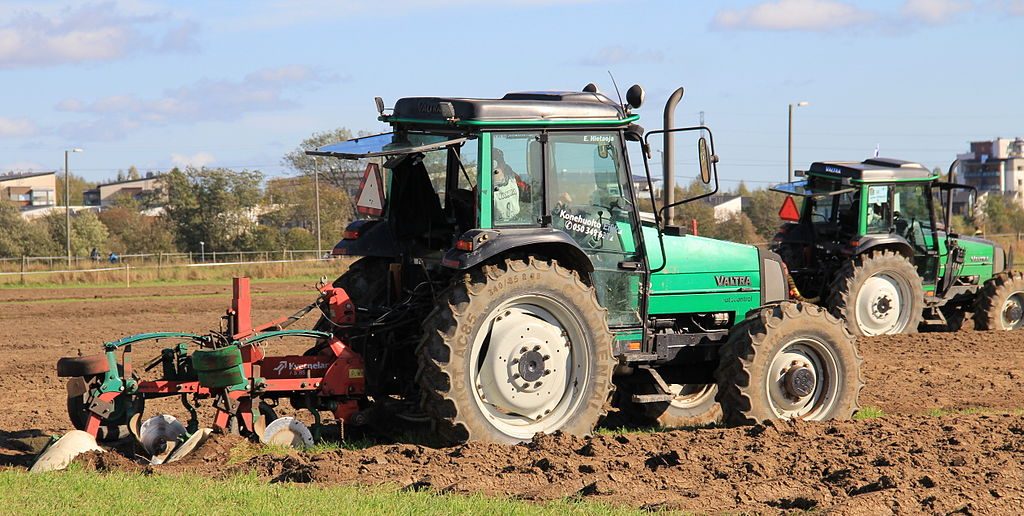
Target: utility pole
{"x":789,"y":167}
{"x":67,"y":203}
{"x":316,"y":187}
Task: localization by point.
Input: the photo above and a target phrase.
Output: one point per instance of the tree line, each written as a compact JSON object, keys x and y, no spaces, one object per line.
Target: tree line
{"x":225,"y":210}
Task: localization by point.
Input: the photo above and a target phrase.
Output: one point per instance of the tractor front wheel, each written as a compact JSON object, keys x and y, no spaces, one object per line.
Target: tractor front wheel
{"x":878,"y":293}
{"x":516,"y":349}
{"x":789,"y":361}
{"x":1000,"y":304}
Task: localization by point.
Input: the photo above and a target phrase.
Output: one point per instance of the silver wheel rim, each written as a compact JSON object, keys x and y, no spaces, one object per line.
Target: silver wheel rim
{"x":799,"y":358}
{"x":691,"y":395}
{"x":880,"y":305}
{"x":529,"y":366}
{"x":1012,"y":314}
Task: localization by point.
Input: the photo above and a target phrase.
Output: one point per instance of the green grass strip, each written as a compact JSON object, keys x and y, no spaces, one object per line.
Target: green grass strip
{"x":83,"y":492}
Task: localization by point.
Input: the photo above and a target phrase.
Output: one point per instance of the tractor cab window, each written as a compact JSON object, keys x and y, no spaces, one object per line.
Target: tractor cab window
{"x":912,"y":214}
{"x":878,"y":210}
{"x":516,"y":179}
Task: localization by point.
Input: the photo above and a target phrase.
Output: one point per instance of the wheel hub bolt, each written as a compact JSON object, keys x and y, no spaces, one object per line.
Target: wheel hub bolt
{"x":531,"y":366}
{"x":884,"y":305}
{"x":799,"y":381}
{"x":1014,"y":312}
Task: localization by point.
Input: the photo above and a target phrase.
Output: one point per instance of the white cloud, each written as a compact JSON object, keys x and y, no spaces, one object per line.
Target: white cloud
{"x":1012,"y":7}
{"x":16,"y":127}
{"x":934,"y":12}
{"x":198,"y":160}
{"x":88,"y":33}
{"x":280,"y":13}
{"x":614,"y":55}
{"x":205,"y":100}
{"x":784,"y":15}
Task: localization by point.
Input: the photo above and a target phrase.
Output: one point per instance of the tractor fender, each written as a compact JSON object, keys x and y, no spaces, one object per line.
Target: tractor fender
{"x":370,"y":237}
{"x":774,"y":280}
{"x":481,"y":245}
{"x":895,"y":243}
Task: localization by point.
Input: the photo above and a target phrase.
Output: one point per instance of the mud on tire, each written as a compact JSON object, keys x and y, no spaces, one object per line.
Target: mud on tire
{"x":1000,"y":302}
{"x":761,"y":362}
{"x":854,"y":275}
{"x":463,"y":338}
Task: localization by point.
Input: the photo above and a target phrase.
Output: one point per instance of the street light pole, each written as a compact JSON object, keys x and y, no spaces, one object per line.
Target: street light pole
{"x":316,"y":186}
{"x":67,"y":203}
{"x":789,"y":167}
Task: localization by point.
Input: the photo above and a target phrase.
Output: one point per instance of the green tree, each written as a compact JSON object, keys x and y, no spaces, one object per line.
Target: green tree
{"x":763,"y":210}
{"x":87,"y":232}
{"x":700,"y":211}
{"x":215,"y":206}
{"x":132,"y":232}
{"x":737,"y":228}
{"x":291,"y":202}
{"x":344,"y":174}
{"x":133,"y":173}
{"x":1002,"y":214}
{"x":76,"y":186}
{"x":20,"y":237}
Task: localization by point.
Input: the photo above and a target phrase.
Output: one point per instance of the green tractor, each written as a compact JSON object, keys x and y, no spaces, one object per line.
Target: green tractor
{"x":508,"y":282}
{"x":871,"y":244}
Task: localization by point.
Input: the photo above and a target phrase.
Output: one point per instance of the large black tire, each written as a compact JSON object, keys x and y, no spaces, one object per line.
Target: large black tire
{"x":464,"y":339}
{"x":1000,"y":303}
{"x":696,"y":405}
{"x":878,"y":275}
{"x":763,"y":373}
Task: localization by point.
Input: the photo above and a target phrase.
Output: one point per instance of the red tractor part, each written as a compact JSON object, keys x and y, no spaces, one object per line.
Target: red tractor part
{"x":332,"y":379}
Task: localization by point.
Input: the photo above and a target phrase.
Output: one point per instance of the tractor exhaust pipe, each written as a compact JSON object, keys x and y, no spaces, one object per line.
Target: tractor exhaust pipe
{"x":667,"y":157}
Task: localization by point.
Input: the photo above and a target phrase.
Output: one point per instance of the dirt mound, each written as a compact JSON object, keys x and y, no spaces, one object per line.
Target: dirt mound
{"x":898,"y":464}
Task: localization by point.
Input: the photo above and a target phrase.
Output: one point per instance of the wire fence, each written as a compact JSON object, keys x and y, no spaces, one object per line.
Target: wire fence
{"x":153,"y":266}
{"x":54,"y":264}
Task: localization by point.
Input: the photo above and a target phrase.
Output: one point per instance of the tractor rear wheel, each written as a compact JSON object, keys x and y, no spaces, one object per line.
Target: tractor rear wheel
{"x":513,"y":350}
{"x":693,"y":405}
{"x":1000,"y":303}
{"x":878,"y":293}
{"x":789,"y":361}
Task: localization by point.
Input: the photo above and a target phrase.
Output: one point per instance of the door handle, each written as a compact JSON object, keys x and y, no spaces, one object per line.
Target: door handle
{"x":629,"y":265}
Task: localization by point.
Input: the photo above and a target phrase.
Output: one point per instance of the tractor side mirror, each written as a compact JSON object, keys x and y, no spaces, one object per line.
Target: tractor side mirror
{"x":635,"y":96}
{"x":705,"y":160}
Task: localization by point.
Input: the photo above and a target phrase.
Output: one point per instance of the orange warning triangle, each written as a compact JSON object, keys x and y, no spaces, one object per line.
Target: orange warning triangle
{"x":789,"y":210}
{"x":371,"y":192}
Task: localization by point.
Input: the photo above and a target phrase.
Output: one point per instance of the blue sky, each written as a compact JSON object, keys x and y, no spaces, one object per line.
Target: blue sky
{"x":239,"y":84}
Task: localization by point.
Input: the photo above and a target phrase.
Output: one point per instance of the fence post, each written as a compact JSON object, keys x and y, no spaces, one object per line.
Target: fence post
{"x":190,"y":257}
{"x":159,"y":264}
{"x":127,"y":275}
{"x":24,"y":263}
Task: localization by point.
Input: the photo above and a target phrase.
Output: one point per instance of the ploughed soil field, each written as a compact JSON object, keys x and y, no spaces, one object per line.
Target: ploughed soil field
{"x":950,"y":437}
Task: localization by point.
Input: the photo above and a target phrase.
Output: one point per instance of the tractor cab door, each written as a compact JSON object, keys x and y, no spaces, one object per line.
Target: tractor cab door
{"x":589,"y":196}
{"x":914,"y":219}
{"x":952,"y":254}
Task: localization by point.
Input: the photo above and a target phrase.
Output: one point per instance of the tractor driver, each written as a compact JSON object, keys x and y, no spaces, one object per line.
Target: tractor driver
{"x":506,"y":188}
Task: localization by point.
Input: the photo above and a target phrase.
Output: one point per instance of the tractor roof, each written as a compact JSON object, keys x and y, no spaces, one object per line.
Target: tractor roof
{"x":872,"y":170}
{"x":516,"y":109}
